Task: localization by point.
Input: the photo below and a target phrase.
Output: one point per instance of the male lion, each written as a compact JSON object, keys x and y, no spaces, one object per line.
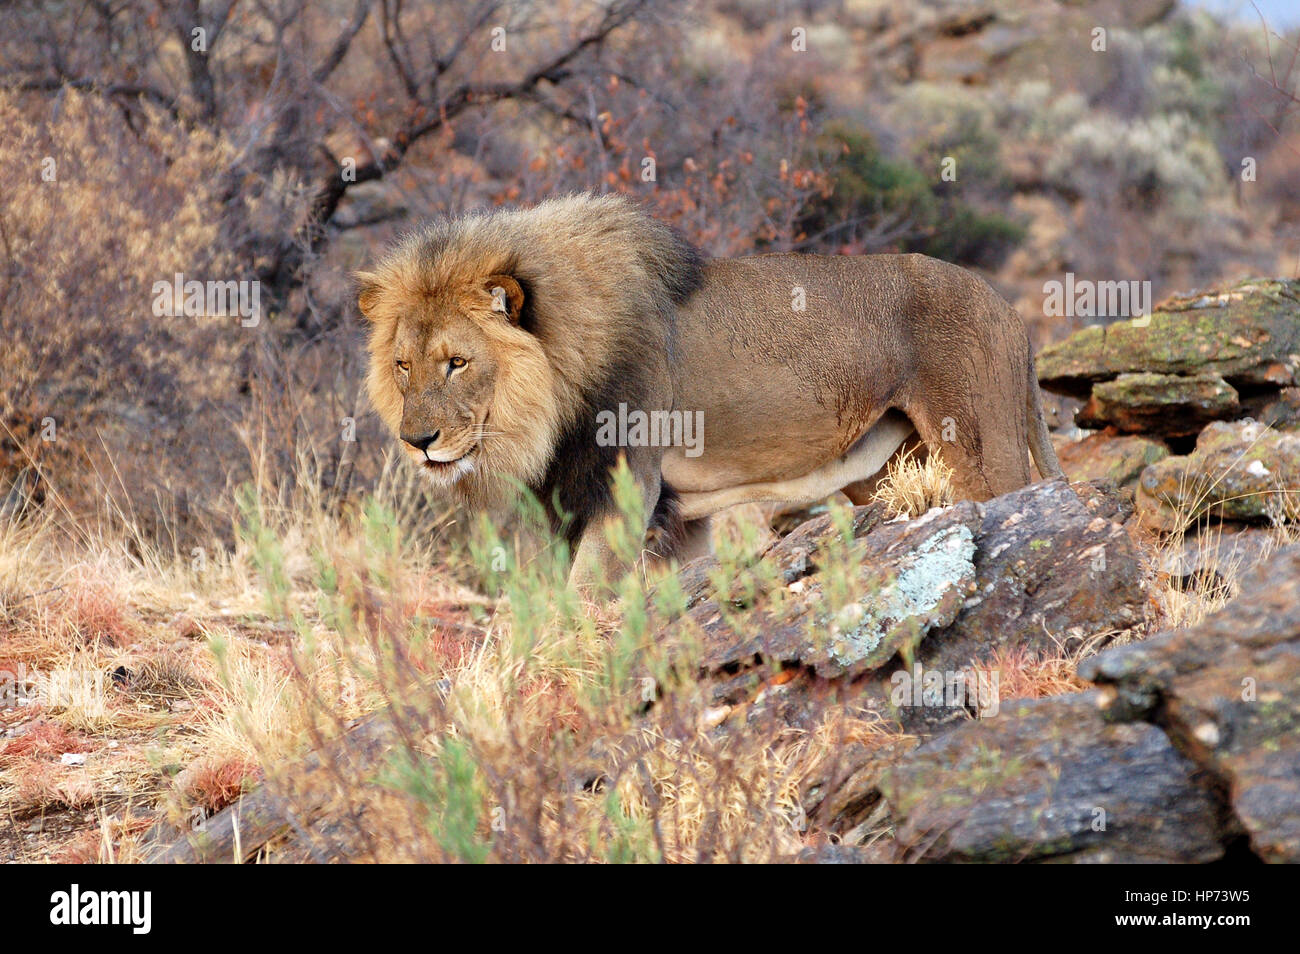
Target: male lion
{"x":504,"y":346}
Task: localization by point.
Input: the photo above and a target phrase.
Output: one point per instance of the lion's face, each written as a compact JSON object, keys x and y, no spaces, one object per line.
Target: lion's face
{"x":446,"y":373}
{"x":457,"y":380}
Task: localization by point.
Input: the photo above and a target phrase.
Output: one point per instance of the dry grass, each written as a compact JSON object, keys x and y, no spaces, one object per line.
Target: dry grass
{"x":1197,"y":535}
{"x":522,"y":716}
{"x":1187,"y":600}
{"x":914,"y":484}
{"x":174,"y":679}
{"x":525,"y":730}
{"x":1024,"y":674}
{"x":524,"y":725}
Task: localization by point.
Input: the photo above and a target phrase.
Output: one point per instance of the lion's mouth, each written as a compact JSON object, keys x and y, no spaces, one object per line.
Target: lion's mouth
{"x":450,"y":471}
{"x":438,"y":466}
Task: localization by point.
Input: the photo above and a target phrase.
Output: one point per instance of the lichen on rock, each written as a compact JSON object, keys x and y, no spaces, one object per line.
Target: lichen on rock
{"x":927,"y":588}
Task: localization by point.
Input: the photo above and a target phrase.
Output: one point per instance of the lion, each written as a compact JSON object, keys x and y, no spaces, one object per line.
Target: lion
{"x":536,"y":347}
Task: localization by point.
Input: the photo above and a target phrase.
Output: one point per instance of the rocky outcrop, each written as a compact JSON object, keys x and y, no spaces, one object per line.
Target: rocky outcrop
{"x":1051,"y":779}
{"x":1052,"y":568}
{"x":1185,"y":749}
{"x":907,"y":578}
{"x":1188,"y":750}
{"x":1247,"y":335}
{"x":1033,"y":569}
{"x":1238,"y":471}
{"x":980,"y":42}
{"x":1227,"y":692}
{"x":1216,"y":558}
{"x":1172,"y":405}
{"x":1205,"y":377}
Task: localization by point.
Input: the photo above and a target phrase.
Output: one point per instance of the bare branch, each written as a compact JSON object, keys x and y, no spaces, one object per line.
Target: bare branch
{"x":395,"y":44}
{"x":343,"y":43}
{"x":438,"y":114}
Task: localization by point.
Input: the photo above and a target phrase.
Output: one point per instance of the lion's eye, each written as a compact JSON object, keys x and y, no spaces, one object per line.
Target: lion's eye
{"x":403,"y":366}
{"x":458,"y":362}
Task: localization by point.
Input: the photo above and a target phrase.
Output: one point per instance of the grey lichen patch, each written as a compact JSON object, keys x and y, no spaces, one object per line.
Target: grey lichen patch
{"x":924,"y":589}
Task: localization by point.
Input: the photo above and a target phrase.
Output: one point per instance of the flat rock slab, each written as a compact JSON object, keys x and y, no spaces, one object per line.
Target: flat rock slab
{"x":1248,"y":335}
{"x":1051,"y":780}
{"x":1032,"y":569}
{"x":903,"y":579}
{"x":1049,"y":571}
{"x":1170,"y":405}
{"x":1228,"y":692}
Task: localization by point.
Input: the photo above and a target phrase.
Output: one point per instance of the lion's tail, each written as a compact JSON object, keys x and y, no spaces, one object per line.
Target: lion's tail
{"x":1040,"y":442}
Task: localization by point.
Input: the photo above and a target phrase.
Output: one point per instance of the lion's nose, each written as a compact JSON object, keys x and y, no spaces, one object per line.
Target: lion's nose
{"x":422,"y":443}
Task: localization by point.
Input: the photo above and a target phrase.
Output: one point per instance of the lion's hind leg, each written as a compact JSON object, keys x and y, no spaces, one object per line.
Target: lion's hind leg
{"x":985,"y":448}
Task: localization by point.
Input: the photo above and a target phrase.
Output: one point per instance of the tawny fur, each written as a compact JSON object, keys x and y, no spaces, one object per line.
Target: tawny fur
{"x":808,"y":371}
{"x":603,"y":281}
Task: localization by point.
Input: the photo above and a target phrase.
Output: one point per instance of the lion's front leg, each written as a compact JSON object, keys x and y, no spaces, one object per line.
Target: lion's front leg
{"x":597,"y":563}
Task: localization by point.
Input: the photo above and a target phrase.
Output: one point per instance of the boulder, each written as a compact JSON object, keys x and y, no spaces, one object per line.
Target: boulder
{"x":901,"y":580}
{"x":800,"y":553}
{"x":1049,"y":571}
{"x":1033,"y":569}
{"x":1227,"y":691}
{"x":1239,"y":470}
{"x":1172,"y":405}
{"x":1051,"y":779}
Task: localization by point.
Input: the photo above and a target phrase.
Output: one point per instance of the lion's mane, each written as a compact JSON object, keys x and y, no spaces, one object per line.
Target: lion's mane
{"x":602,"y":281}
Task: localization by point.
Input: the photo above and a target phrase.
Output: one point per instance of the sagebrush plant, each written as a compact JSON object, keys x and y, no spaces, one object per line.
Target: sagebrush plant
{"x":1163,"y":158}
{"x":105,"y":399}
{"x":551,"y":730}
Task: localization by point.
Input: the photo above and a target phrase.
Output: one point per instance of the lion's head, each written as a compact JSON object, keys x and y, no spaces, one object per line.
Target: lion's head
{"x":490,"y":333}
{"x":464,"y":388}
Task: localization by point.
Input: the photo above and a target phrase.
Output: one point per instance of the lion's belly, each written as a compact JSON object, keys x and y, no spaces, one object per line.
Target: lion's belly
{"x":738,"y":445}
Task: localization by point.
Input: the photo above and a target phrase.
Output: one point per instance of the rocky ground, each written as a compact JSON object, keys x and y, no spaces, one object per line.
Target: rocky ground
{"x":1159,"y":737}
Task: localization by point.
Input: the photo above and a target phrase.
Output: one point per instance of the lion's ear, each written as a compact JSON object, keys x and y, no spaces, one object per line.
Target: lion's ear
{"x":367,"y":293}
{"x":507,"y":296}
